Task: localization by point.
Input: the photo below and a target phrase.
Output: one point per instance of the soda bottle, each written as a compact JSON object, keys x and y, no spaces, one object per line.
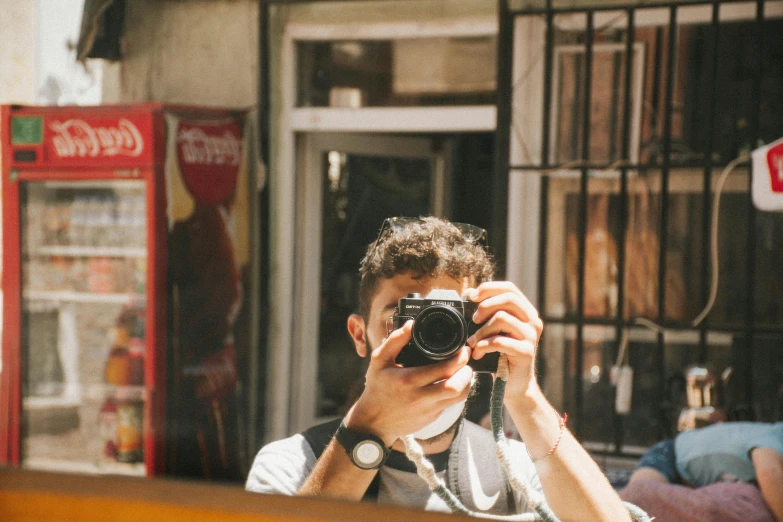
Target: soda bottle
{"x":130,"y":420}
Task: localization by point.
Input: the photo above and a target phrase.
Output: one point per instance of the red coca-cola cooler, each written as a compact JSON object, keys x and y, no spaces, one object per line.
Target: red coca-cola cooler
{"x":126,"y":256}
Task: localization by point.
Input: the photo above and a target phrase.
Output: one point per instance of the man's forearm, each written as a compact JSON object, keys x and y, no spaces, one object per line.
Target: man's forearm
{"x":335,"y":476}
{"x":574,"y":486}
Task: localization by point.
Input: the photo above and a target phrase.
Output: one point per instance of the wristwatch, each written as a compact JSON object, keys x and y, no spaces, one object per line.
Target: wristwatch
{"x":365,"y":450}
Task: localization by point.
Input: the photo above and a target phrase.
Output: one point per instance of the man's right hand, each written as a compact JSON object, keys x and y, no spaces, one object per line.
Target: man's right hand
{"x":399,"y":401}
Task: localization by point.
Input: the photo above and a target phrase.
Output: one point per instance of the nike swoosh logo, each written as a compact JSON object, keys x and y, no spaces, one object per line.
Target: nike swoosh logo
{"x":482,"y":501}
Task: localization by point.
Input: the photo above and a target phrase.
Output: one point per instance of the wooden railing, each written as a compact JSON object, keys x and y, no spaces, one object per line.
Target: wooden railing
{"x":33,"y":496}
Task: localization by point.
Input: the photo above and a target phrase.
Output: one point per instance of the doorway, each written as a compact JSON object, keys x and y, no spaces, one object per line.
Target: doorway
{"x":349,"y":184}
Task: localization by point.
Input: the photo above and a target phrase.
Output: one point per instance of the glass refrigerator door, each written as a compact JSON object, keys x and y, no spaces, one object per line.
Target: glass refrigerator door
{"x":84,"y":260}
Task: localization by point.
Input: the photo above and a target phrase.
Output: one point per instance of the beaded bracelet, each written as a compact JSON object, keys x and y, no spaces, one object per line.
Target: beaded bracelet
{"x":563,"y":421}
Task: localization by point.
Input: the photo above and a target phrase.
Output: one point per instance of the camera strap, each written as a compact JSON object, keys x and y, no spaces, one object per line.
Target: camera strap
{"x":518,"y":481}
{"x":319,"y":437}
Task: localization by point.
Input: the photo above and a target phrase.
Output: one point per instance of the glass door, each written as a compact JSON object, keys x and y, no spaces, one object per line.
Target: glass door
{"x":349,"y":185}
{"x":84,"y":262}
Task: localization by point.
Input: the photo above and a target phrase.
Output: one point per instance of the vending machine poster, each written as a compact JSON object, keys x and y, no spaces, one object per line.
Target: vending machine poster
{"x":207,"y":195}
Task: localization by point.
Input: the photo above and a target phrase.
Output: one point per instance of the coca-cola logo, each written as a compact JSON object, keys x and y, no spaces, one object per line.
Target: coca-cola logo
{"x":77,"y":138}
{"x":200,"y":148}
{"x":209,"y":156}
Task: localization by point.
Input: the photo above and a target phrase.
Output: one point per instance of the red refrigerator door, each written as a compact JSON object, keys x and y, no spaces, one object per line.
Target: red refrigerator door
{"x":81,"y":344}
{"x":83,"y":325}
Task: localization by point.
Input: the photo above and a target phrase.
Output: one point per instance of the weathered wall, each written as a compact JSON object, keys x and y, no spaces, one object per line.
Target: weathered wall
{"x":206,"y":51}
{"x":389,"y":11}
{"x":197,"y":52}
{"x":37,"y":59}
{"x":17,"y":52}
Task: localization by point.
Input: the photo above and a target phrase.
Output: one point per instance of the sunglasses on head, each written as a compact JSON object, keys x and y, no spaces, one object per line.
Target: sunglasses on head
{"x":469,"y":232}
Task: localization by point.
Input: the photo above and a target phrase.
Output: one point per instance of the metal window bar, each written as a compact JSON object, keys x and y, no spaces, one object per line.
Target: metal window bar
{"x":583,"y":188}
{"x":664,"y":227}
{"x":707,"y":186}
{"x":662,"y":162}
{"x":548,"y":59}
{"x":502,"y":139}
{"x":623,"y":210}
{"x":758,"y":46}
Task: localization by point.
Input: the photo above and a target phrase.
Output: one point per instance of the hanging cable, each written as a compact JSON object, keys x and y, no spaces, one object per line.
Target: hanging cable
{"x":714,"y":260}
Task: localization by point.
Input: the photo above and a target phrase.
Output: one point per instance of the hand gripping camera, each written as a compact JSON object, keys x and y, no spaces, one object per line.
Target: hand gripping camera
{"x":442,"y":323}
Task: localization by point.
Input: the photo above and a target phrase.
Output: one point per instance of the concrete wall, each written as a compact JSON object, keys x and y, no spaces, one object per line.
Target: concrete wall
{"x":37,"y":56}
{"x":206,"y":51}
{"x":196,"y":52}
{"x":18,"y":29}
{"x":388,"y":11}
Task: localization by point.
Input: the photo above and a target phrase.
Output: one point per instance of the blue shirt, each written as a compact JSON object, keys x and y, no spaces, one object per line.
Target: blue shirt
{"x":721,"y":452}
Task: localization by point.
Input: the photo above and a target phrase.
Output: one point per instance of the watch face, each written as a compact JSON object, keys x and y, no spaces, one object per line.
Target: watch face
{"x":367,"y":454}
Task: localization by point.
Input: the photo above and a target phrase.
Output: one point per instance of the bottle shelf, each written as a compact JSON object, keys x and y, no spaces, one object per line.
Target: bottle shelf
{"x":137,"y":469}
{"x":92,"y":392}
{"x":84,"y":297}
{"x":122,"y":393}
{"x":86,"y":251}
{"x":119,"y":184}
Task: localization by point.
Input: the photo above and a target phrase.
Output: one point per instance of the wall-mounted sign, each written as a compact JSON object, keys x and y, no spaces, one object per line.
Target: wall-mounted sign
{"x":768,"y":177}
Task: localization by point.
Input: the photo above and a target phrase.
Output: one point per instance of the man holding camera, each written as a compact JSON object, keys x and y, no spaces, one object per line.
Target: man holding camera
{"x":364,"y":458}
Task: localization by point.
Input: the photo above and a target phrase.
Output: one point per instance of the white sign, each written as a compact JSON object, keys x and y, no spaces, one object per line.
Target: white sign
{"x":768,"y":177}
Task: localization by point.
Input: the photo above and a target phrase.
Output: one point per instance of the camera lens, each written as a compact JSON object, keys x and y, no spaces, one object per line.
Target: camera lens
{"x":439,"y":331}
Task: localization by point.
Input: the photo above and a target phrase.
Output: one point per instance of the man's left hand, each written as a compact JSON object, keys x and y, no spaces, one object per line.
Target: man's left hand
{"x":512,"y":327}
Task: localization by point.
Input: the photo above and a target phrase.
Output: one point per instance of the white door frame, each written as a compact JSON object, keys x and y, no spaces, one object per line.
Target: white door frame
{"x":307,"y":274}
{"x":281,"y":335}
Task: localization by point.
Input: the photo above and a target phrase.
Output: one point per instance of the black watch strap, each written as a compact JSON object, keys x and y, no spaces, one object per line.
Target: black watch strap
{"x":365,"y":450}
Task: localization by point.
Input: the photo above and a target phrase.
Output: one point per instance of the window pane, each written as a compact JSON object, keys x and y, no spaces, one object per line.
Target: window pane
{"x":405,"y":72}
{"x":769,"y":278}
{"x":767,"y":374}
{"x":359,"y":193}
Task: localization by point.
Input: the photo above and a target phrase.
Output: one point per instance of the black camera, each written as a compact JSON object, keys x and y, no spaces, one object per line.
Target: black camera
{"x":442,"y":322}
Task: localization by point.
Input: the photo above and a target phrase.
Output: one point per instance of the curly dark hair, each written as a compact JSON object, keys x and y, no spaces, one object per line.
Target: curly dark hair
{"x":425,"y":247}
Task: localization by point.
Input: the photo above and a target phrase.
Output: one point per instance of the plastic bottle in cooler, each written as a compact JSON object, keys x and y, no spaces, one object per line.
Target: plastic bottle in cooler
{"x":116,"y":233}
{"x":136,"y":349}
{"x":63,"y":222}
{"x":140,"y":276}
{"x":50,"y":222}
{"x":117,"y":370}
{"x":130,"y":421}
{"x":107,"y":429}
{"x":33,"y":225}
{"x":124,"y":221}
{"x":139,"y":223}
{"x":104,"y":221}
{"x":79,"y":275}
{"x":76,"y":230}
{"x":91,"y":219}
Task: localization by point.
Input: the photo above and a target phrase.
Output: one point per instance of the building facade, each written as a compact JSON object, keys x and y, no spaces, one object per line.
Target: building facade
{"x":588,"y":138}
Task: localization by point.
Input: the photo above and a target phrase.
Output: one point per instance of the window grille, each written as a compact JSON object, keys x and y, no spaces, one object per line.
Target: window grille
{"x":635,"y":112}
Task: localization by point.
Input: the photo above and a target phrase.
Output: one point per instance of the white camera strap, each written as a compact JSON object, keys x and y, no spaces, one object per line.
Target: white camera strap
{"x":517,"y":480}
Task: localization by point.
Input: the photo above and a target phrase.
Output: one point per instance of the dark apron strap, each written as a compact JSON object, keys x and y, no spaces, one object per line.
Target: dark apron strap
{"x":319,"y":437}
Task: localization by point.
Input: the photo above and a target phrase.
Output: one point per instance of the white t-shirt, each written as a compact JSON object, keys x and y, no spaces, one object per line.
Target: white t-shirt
{"x":470,"y":469}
